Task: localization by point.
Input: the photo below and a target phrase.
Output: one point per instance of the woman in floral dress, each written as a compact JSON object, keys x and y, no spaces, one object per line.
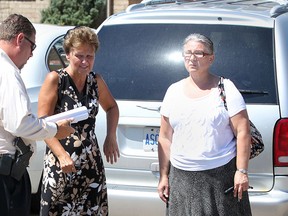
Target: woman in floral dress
{"x":74,"y":180}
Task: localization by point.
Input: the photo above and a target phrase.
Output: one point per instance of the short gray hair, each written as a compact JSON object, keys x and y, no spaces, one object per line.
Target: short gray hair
{"x":200,"y":38}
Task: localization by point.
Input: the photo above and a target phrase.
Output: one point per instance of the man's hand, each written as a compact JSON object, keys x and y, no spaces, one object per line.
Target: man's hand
{"x":64,"y":129}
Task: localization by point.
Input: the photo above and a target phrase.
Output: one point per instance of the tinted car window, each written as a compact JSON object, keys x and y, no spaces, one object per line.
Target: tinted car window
{"x":140,"y":61}
{"x":56,"y":56}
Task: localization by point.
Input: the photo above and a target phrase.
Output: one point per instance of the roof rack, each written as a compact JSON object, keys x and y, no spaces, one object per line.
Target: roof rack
{"x":274,"y":12}
{"x":281,"y":2}
{"x":155,"y":2}
{"x":278,"y":10}
{"x":145,"y":3}
{"x":152,"y":2}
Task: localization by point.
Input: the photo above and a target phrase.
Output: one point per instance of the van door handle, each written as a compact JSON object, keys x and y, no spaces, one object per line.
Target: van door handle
{"x":154,"y":167}
{"x":157,"y":109}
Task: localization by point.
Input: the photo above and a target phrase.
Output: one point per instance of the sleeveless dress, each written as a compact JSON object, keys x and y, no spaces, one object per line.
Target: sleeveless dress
{"x":83,"y":192}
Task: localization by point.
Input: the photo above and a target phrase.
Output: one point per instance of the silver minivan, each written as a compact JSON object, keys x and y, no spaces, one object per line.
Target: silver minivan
{"x":140,"y":56}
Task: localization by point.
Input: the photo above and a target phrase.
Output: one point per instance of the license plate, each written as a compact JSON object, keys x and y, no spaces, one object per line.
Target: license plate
{"x":150,"y":139}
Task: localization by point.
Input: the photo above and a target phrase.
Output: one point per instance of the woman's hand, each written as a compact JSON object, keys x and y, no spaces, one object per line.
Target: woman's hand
{"x":163,"y":189}
{"x":111,"y":149}
{"x":241,"y":184}
{"x":66,"y":163}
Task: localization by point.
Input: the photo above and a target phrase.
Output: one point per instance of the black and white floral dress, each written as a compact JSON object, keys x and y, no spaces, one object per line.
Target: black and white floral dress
{"x":83,"y":192}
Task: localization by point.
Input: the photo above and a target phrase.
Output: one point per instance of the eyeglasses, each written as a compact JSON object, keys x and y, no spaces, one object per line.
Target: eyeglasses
{"x":33,"y":45}
{"x":197,"y":54}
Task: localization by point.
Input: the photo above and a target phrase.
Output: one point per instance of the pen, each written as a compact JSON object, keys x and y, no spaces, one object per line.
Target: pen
{"x":167,"y":200}
{"x":230,"y":189}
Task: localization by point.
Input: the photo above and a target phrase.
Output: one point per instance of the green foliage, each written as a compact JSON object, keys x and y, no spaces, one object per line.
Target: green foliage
{"x":75,"y":12}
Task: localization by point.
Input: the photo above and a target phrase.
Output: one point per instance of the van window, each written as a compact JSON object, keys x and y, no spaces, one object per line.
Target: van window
{"x":56,"y":57}
{"x":140,"y":61}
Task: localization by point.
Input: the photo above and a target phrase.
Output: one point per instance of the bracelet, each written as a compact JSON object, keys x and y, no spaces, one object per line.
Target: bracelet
{"x":244,"y":171}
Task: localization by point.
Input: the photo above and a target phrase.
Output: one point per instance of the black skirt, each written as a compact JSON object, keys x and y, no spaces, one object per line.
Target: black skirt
{"x":201,"y":193}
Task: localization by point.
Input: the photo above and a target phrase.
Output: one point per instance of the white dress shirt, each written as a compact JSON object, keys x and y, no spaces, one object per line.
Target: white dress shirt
{"x":16,"y":119}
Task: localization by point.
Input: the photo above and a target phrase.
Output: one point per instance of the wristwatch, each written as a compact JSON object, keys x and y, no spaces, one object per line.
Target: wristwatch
{"x":244,"y":171}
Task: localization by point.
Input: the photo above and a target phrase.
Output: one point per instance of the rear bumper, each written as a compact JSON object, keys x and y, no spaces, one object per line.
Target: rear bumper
{"x":131,"y":201}
{"x":125,"y":200}
{"x":271,"y":203}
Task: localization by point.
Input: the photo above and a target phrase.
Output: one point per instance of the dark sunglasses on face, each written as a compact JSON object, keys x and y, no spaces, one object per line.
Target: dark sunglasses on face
{"x":33,"y":45}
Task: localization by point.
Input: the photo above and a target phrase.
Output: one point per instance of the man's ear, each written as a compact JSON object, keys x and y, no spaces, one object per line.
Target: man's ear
{"x":19,"y":39}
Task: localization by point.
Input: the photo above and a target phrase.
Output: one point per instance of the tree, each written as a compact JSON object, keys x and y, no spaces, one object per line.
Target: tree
{"x":75,"y":12}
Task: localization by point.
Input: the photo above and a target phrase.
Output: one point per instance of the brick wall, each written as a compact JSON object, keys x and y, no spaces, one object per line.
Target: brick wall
{"x":32,"y":9}
{"x":121,"y":5}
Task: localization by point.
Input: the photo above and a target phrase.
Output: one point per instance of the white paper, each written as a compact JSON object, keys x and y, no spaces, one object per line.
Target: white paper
{"x":77,"y":114}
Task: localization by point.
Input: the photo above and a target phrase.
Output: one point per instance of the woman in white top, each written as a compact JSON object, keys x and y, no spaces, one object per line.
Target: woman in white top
{"x":203,"y":148}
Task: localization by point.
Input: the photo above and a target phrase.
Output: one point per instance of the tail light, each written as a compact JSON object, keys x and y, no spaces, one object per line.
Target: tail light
{"x":281,"y":143}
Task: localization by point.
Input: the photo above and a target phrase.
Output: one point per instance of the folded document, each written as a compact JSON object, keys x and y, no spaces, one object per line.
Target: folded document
{"x":77,"y":114}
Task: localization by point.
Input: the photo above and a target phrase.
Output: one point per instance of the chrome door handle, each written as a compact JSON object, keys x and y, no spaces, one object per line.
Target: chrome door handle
{"x":154,"y":167}
{"x":157,"y":109}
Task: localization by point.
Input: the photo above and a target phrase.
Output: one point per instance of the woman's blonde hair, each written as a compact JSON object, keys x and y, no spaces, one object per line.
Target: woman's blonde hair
{"x":78,"y":36}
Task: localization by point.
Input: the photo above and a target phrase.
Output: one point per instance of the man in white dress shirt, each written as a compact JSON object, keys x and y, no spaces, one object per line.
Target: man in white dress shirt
{"x":17,"y":42}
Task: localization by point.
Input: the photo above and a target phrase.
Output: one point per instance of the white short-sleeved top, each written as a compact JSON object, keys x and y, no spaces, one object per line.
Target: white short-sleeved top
{"x":202,"y":137}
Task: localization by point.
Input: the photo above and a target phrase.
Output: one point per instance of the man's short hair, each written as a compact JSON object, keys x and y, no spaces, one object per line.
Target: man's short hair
{"x":15,"y":24}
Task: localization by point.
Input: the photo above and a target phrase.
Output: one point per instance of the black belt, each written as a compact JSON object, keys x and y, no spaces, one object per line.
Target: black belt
{"x":9,"y":155}
{"x":6,"y":161}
